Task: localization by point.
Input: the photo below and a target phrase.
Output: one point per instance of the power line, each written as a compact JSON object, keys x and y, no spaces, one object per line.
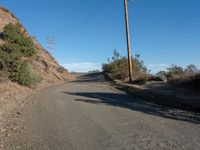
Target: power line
{"x":101,"y":8}
{"x":75,"y":13}
{"x":105,"y":19}
{"x":79,"y":19}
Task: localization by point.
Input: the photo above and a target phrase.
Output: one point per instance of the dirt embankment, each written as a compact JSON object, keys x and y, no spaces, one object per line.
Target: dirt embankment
{"x":12,"y":95}
{"x":162,"y":93}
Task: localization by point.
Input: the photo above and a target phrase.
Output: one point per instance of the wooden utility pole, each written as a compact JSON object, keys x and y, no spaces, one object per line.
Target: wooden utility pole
{"x":128,"y":41}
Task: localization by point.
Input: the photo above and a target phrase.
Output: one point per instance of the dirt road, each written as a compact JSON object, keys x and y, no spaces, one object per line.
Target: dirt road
{"x":89,"y":114}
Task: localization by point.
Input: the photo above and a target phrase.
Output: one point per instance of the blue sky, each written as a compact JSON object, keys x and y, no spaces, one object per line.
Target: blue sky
{"x":86,"y":32}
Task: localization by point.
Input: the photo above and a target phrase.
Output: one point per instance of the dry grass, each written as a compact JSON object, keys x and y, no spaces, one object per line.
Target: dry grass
{"x":190,"y":81}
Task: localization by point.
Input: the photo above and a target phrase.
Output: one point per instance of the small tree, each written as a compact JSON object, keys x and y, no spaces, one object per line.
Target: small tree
{"x":118,"y":66}
{"x":175,"y":70}
{"x":191,"y":68}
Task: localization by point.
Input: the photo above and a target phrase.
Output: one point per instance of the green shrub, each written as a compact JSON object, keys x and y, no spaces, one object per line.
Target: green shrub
{"x":14,"y":69}
{"x":175,"y":70}
{"x":176,"y":73}
{"x":15,"y":37}
{"x":2,"y":60}
{"x":188,"y":77}
{"x":24,"y":75}
{"x":8,"y":60}
{"x":118,"y":67}
{"x":27,"y":77}
{"x":11,"y":48}
{"x":11,"y":33}
{"x":191,"y":69}
{"x":17,"y":46}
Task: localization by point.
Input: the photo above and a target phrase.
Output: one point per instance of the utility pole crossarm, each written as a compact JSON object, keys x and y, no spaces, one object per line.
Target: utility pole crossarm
{"x":128,"y":40}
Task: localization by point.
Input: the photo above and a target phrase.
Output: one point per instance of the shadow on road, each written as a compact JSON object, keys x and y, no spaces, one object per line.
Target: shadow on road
{"x":128,"y":102}
{"x":91,"y":77}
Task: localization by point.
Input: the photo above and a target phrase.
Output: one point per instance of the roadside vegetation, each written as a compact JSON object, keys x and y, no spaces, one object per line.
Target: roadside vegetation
{"x":188,"y":77}
{"x":16,"y":53}
{"x":117,"y":67}
{"x":176,"y":87}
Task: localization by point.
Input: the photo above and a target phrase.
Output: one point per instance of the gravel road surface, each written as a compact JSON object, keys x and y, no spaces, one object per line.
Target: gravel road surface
{"x":90,"y":114}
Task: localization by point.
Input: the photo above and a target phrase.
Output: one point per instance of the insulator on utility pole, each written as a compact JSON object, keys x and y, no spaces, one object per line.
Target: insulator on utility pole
{"x":128,"y":40}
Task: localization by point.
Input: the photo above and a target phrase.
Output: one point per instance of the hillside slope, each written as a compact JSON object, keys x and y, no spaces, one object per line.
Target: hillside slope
{"x":44,"y":62}
{"x":12,"y":94}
